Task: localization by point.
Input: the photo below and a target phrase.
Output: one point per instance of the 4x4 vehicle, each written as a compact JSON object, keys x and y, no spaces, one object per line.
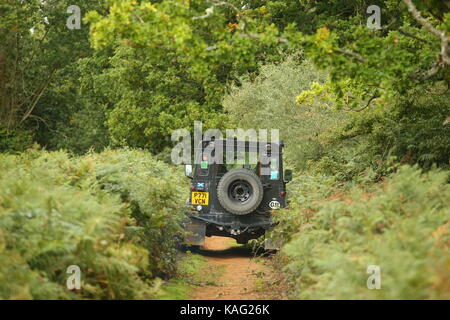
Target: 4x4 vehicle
{"x":236,"y":200}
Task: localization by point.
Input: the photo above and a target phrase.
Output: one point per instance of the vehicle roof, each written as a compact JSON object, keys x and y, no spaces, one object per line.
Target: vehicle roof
{"x":248,"y":146}
{"x":237,"y":142}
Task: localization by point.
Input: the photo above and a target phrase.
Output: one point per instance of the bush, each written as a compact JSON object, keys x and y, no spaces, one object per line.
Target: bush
{"x":269,"y":102}
{"x":401,"y":226}
{"x":15,"y":140}
{"x":411,"y":129}
{"x":156,"y":194}
{"x":327,"y":140}
{"x":114,"y":214}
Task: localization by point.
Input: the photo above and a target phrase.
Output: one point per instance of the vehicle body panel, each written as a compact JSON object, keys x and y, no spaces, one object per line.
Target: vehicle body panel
{"x":217,"y":220}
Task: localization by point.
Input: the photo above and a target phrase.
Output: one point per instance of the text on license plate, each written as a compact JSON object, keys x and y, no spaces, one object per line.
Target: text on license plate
{"x":200,"y":198}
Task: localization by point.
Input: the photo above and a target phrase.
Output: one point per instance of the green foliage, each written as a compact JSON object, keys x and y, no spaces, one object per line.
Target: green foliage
{"x":400,"y":225}
{"x":349,"y":145}
{"x":352,"y":107}
{"x":190,"y":273}
{"x":75,"y":118}
{"x":113,"y":214}
{"x":363,"y":62}
{"x":268,"y":102}
{"x":160,"y":65}
{"x":366,"y":63}
{"x":209,"y":43}
{"x":36,"y":53}
{"x":305,"y":193}
{"x":156,"y":194}
{"x":413,"y":129}
{"x":143,"y":100}
{"x":171,"y":65}
{"x":15,"y":140}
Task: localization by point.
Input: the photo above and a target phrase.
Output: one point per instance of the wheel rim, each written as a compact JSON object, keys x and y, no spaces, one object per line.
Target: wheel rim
{"x":240,"y":191}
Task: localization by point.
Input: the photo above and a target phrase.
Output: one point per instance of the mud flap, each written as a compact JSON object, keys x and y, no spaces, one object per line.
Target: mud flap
{"x":196,"y":232}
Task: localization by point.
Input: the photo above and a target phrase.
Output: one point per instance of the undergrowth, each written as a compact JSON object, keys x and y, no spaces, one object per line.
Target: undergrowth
{"x":116,"y":215}
{"x":332,"y":235}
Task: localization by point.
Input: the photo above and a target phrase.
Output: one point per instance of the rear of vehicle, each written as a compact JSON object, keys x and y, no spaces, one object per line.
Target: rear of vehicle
{"x":235,"y":200}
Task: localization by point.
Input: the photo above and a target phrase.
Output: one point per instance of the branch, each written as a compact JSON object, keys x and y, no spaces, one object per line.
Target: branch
{"x":352,"y":54}
{"x":444,"y":56}
{"x":375,"y":96}
{"x":40,"y":43}
{"x":414,"y":37}
{"x":428,"y":74}
{"x":38,"y":97}
{"x":446,"y":121}
{"x":216,"y":3}
{"x":209,"y":13}
{"x":258,"y":36}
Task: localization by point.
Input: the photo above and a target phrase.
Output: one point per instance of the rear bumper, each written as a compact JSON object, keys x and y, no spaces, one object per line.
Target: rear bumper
{"x":251,"y":221}
{"x":241,"y":228}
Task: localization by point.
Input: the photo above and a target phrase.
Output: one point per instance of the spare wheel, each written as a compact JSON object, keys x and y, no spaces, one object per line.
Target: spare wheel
{"x":240,"y":191}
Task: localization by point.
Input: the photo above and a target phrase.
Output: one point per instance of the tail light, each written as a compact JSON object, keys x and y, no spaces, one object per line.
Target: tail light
{"x":282,"y":194}
{"x":192,"y":188}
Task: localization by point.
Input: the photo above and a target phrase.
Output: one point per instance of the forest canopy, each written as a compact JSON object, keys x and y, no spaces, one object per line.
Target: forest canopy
{"x":136,"y":70}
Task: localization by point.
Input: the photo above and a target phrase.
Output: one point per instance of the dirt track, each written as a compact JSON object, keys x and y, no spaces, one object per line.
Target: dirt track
{"x":243,"y":277}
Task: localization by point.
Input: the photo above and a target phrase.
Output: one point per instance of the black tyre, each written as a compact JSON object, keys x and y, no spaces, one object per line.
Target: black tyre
{"x":240,"y":191}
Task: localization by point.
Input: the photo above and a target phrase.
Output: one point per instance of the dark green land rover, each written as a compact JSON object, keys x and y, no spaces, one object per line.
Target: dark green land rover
{"x":236,"y":200}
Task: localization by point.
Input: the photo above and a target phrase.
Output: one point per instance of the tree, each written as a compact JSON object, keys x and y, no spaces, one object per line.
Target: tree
{"x":374,"y":72}
{"x":172,"y":64}
{"x":37,"y":50}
